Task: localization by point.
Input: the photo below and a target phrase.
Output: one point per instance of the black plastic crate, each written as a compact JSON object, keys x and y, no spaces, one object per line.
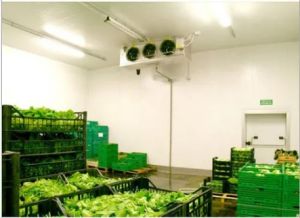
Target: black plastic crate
{"x":48,"y":207}
{"x":33,"y":170}
{"x":200,"y":205}
{"x":41,"y":206}
{"x":221,"y":169}
{"x":242,"y":155}
{"x":221,"y":163}
{"x":10,"y":184}
{"x":53,"y":206}
{"x":45,"y":146}
{"x":17,"y":121}
{"x":17,"y":126}
{"x":174,"y":209}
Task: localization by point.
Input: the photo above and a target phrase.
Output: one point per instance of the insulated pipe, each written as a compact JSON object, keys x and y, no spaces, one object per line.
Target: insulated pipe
{"x":171,"y":123}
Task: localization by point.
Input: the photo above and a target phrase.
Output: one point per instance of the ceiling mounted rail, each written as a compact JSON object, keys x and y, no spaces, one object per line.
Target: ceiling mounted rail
{"x":48,"y":36}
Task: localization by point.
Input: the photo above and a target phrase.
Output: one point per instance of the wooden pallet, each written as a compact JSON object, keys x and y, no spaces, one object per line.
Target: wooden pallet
{"x":91,"y":163}
{"x":225,"y":199}
{"x":224,"y":205}
{"x":94,"y":164}
{"x":137,"y":171}
{"x":144,"y":170}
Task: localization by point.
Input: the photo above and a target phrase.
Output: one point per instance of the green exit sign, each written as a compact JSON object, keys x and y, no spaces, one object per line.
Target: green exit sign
{"x":266,"y":101}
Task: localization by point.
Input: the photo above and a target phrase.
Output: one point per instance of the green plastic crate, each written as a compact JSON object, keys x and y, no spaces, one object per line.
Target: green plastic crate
{"x":291,"y":182}
{"x":257,"y":211}
{"x":290,"y":200}
{"x":250,"y":178}
{"x":92,"y":123}
{"x":140,"y":159}
{"x":122,"y":166}
{"x":290,"y":213}
{"x":107,"y":154}
{"x":259,"y":196}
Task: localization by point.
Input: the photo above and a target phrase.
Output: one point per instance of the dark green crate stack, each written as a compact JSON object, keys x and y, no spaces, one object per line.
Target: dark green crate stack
{"x":132,"y":161}
{"x":220,"y":174}
{"x":264,"y":190}
{"x":10,"y":184}
{"x":96,"y":135}
{"x":221,"y":169}
{"x":239,"y":157}
{"x":47,"y":145}
{"x":107,"y":155}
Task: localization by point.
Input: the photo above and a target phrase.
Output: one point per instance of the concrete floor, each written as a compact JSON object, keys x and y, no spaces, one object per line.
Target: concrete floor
{"x":177,"y":181}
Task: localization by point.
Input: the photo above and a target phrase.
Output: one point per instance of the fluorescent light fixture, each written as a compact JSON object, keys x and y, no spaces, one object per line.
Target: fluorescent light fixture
{"x":124,"y":28}
{"x":60,"y":47}
{"x":61,"y":33}
{"x":221,"y":13}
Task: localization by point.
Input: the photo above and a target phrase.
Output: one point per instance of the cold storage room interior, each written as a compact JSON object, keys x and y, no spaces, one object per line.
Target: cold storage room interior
{"x":178,"y":109}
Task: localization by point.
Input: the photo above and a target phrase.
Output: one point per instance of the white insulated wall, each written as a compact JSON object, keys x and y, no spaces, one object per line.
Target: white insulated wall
{"x":208,"y":109}
{"x":33,"y":80}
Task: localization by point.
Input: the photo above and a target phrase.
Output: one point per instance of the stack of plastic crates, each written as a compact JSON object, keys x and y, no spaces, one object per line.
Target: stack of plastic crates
{"x":107,"y":155}
{"x":260,"y":190}
{"x":46,"y":145}
{"x":290,"y":196}
{"x":239,"y":157}
{"x":132,"y":161}
{"x":268,"y":190}
{"x":96,"y":135}
{"x":10,"y":184}
{"x":220,"y":174}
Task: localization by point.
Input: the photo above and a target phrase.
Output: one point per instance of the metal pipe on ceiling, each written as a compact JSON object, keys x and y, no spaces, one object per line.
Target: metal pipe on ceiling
{"x":48,"y":36}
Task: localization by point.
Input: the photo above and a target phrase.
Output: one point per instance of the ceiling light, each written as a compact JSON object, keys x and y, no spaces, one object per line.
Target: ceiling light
{"x":221,"y":13}
{"x":65,"y":35}
{"x":62,"y":48}
{"x":124,"y":28}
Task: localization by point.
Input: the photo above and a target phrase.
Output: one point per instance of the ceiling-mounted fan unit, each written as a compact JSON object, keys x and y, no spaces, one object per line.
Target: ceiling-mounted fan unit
{"x":151,"y":52}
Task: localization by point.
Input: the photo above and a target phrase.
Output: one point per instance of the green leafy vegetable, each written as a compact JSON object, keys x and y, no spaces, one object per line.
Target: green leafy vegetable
{"x":44,"y":188}
{"x":85,"y":181}
{"x":140,"y":204}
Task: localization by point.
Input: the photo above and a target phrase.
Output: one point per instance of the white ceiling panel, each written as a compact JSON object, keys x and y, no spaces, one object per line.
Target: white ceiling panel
{"x":253,"y":23}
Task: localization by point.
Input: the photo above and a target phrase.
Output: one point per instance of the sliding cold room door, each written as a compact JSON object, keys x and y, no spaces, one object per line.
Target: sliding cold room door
{"x":266,"y":132}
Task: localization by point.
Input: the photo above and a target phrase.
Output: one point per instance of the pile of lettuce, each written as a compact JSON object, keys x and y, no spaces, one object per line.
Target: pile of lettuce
{"x":85,"y":181}
{"x":292,"y":169}
{"x":43,"y":112}
{"x":43,"y":118}
{"x":43,"y":188}
{"x":140,"y":204}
